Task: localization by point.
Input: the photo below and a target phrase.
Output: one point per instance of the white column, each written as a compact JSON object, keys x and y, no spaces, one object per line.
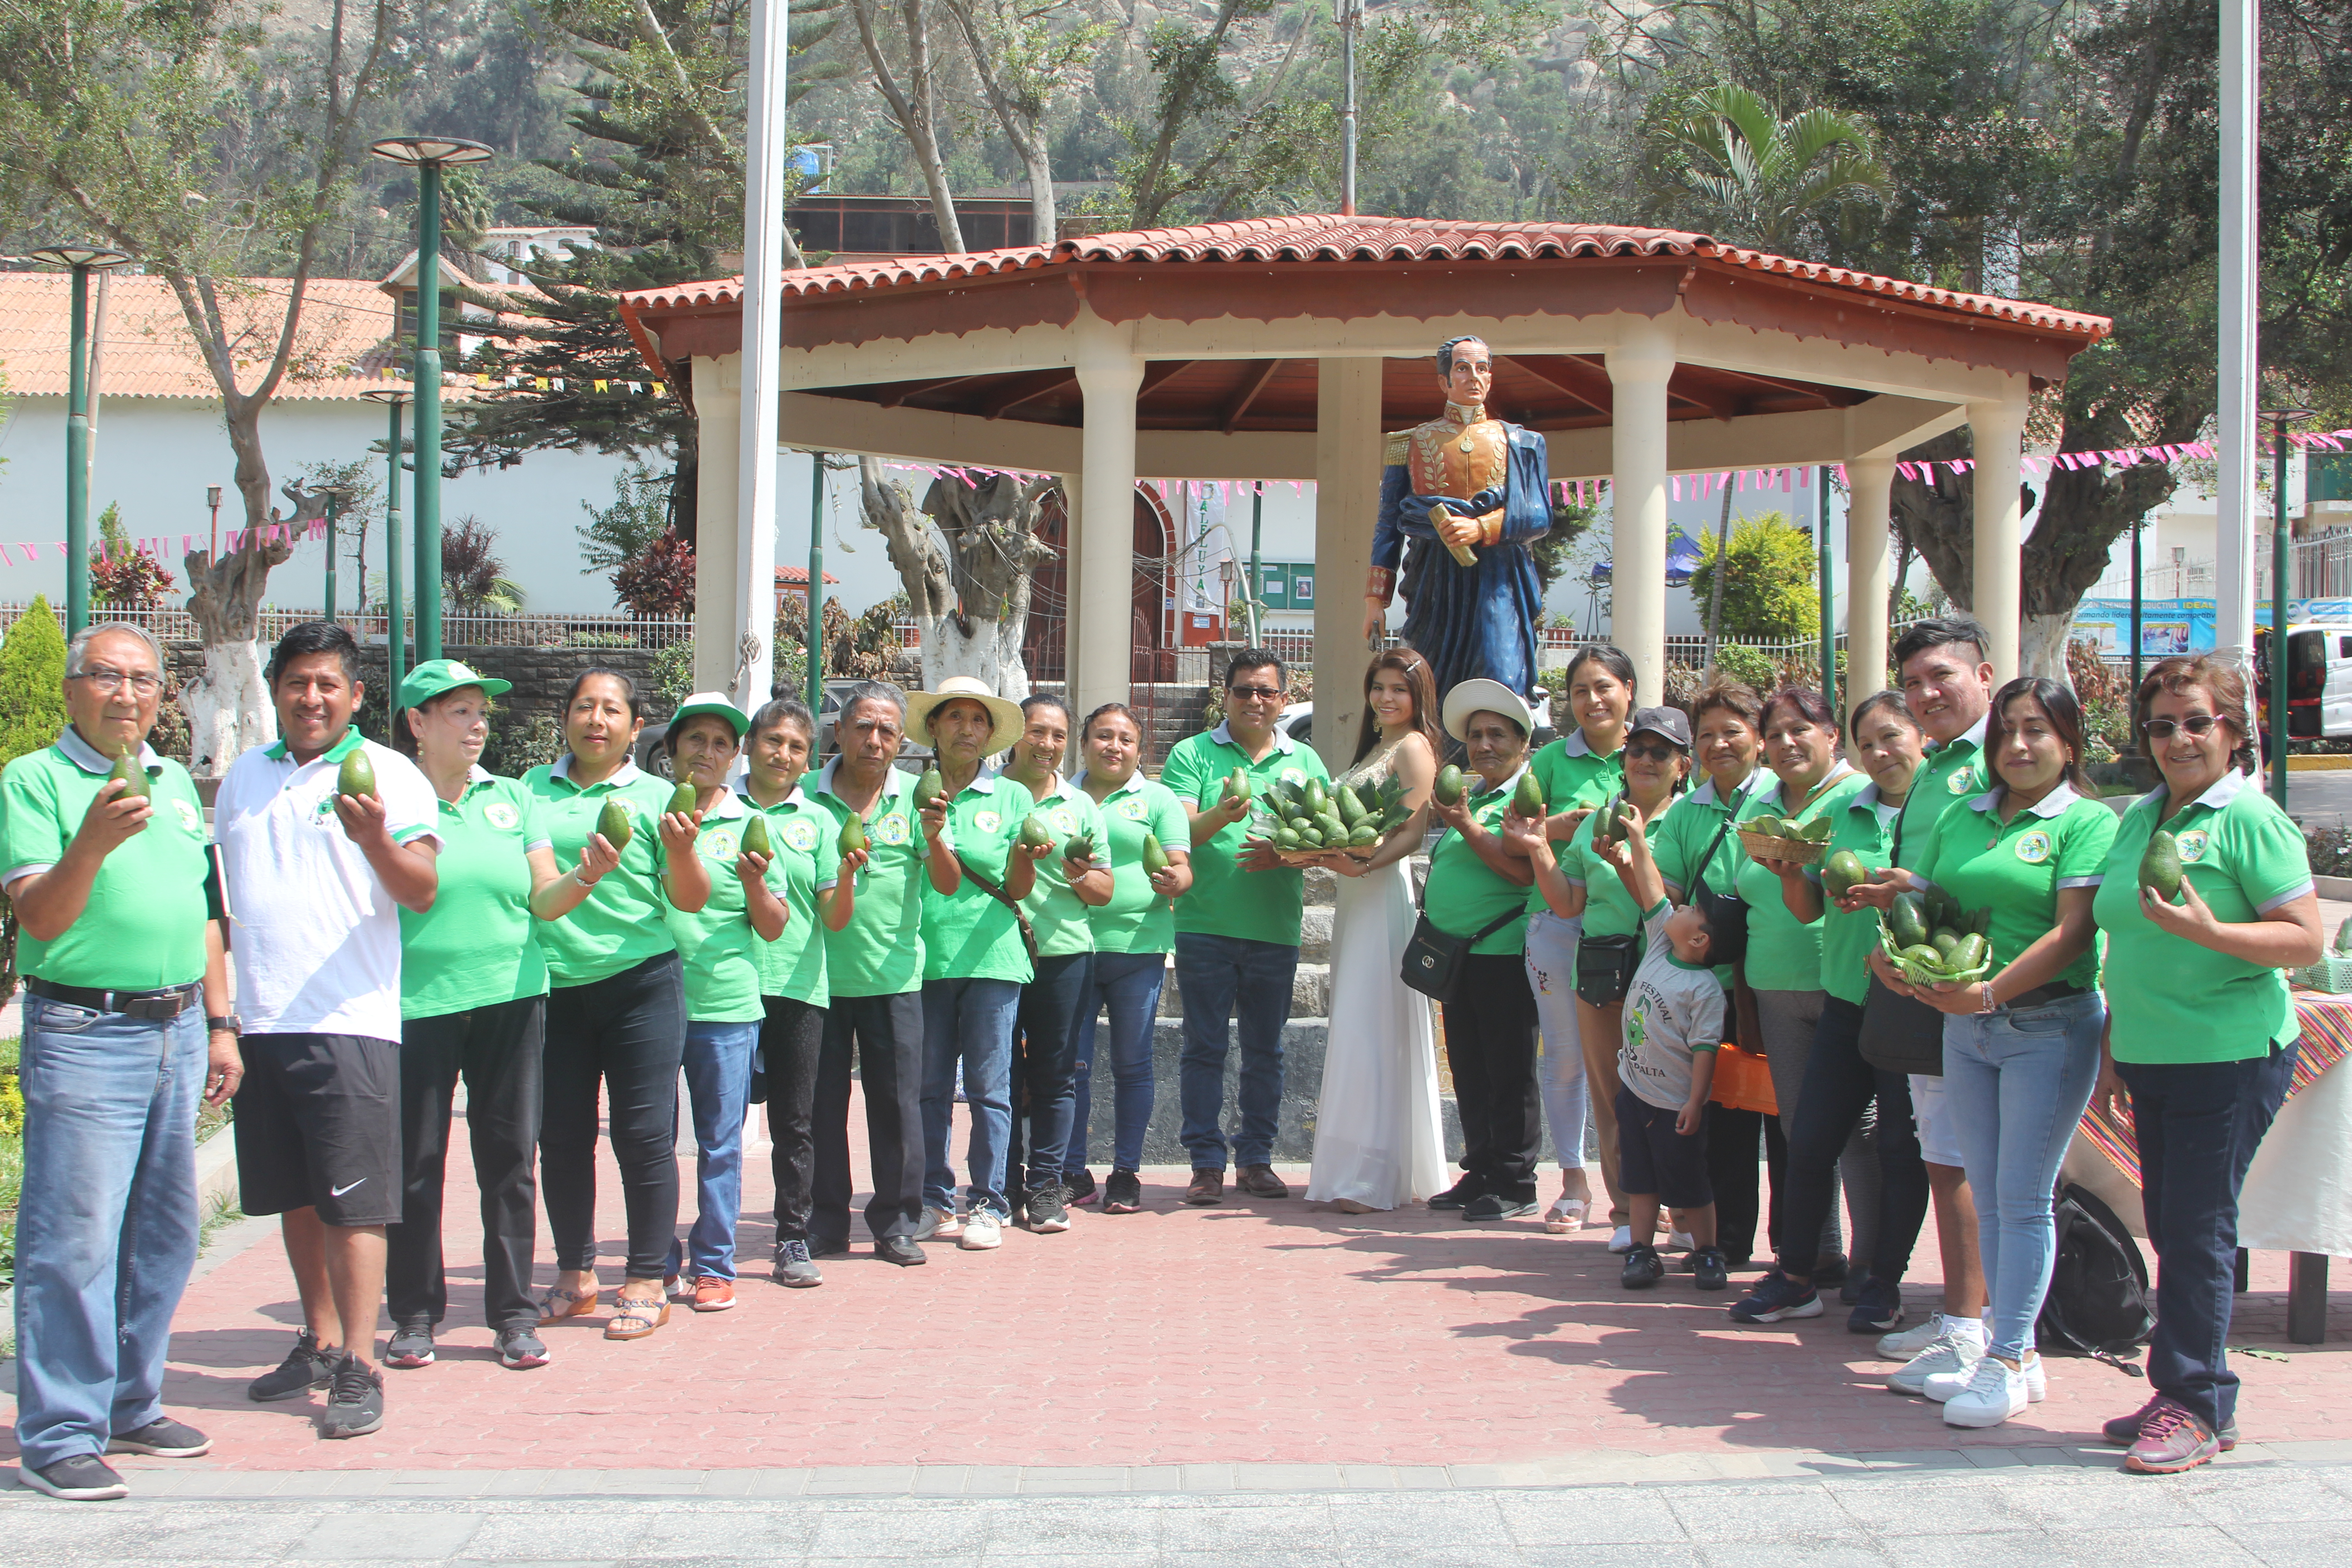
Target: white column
{"x":2233,"y":624}
{"x":1073,"y":601}
{"x":1639,"y":368}
{"x":1110,"y":375}
{"x":1346,"y":507}
{"x":1869,"y":564}
{"x":1998,"y":584}
{"x":765,"y":172}
{"x":717,"y":415}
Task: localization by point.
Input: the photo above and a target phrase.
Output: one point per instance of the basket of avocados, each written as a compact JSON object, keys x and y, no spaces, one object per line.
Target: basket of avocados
{"x":1770,"y":837}
{"x":1303,"y":823}
{"x":1929,"y":950}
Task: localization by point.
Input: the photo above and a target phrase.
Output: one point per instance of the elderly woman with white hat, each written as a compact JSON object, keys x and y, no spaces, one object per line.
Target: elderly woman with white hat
{"x":1476,"y":895}
{"x":976,"y":950}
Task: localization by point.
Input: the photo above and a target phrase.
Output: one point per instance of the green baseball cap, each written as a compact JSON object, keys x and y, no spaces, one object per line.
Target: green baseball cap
{"x":712,"y":702}
{"x":436,"y":676}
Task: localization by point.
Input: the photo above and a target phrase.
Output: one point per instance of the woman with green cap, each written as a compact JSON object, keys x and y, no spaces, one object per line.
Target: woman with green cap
{"x":724,"y":946}
{"x":473,"y":1001}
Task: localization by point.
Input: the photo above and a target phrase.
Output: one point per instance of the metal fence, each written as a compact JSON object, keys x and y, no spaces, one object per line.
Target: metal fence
{"x":172,"y":624}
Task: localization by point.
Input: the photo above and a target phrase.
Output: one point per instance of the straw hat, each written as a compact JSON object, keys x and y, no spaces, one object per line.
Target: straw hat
{"x":1480,"y":694}
{"x":921,"y":705}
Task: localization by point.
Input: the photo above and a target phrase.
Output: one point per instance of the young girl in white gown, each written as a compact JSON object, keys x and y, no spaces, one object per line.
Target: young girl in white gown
{"x":1380,"y":1142}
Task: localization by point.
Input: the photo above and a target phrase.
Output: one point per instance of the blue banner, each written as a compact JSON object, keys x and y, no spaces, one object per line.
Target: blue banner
{"x":2180,"y":626}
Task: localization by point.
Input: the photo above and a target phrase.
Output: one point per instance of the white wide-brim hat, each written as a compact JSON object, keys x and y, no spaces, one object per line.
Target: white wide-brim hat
{"x":921,"y":705}
{"x":1480,"y":694}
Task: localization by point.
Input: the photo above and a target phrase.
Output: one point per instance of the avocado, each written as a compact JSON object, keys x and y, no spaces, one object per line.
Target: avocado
{"x":1363,"y":836}
{"x":929,"y":788}
{"x":1906,"y":921}
{"x":681,"y":801}
{"x":135,"y":782}
{"x":1447,"y":789}
{"x":1530,"y":799}
{"x":2159,"y":867}
{"x":1609,"y":822}
{"x":1351,"y":804}
{"x":1079,"y":848}
{"x":2343,"y":937}
{"x":1237,"y":785}
{"x":1944,"y":941}
{"x":1969,"y":956}
{"x":358,"y":775}
{"x":1155,"y":858}
{"x":1286,"y":838}
{"x":1842,"y":873}
{"x":1034,"y":835}
{"x":853,"y":833}
{"x":613,"y":821}
{"x":1817,"y":831}
{"x":1920,"y":952}
{"x":1315,"y":797}
{"x":755,"y":837}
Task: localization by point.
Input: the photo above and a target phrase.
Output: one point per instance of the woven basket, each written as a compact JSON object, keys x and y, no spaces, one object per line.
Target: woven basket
{"x":1799,"y":851}
{"x":1911,"y":971}
{"x":2332,"y":974}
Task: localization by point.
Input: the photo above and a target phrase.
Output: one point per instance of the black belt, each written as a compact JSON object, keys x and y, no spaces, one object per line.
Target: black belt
{"x":168,"y":1003}
{"x":2043,"y":995}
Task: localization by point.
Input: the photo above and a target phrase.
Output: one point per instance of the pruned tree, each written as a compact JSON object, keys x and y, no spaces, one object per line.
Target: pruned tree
{"x":914,"y":103}
{"x":1025,"y":55}
{"x":228,"y":705}
{"x":967,"y":557}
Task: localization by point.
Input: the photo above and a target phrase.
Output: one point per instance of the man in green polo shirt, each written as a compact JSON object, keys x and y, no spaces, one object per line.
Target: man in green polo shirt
{"x":125,"y":1026}
{"x":1238,"y":929}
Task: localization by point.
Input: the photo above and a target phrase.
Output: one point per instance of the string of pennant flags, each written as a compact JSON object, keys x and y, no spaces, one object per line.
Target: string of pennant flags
{"x":155,"y":547}
{"x":531,"y":383}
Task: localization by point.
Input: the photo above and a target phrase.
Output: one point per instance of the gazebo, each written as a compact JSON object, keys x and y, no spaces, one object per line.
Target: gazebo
{"x":1283,"y":349}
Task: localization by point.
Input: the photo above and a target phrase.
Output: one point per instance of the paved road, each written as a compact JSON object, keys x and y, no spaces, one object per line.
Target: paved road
{"x":2320,"y":799}
{"x":2260,"y":1511}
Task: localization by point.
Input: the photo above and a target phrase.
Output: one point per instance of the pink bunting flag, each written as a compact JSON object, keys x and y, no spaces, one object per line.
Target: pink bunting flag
{"x":235,"y":539}
{"x":1841,"y":473}
{"x":1786,"y":482}
{"x":1805,"y":477}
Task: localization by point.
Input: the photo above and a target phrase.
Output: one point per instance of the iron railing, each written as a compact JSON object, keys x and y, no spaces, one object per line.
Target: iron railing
{"x":170,"y":622}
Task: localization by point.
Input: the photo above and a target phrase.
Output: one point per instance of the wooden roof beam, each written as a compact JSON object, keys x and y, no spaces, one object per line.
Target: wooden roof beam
{"x":1255,"y":374}
{"x":1581,"y":379}
{"x":1010,"y":392}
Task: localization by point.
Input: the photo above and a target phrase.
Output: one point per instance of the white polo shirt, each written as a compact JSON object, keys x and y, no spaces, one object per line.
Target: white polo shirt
{"x":317,"y":939}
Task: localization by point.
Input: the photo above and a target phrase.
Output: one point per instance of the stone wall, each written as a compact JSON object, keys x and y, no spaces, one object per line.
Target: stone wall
{"x":540,"y":675}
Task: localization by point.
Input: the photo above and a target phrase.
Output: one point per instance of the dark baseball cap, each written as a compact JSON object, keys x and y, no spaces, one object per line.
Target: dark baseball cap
{"x":1671,"y":723}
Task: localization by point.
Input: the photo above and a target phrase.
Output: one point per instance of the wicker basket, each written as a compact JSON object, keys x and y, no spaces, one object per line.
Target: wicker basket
{"x":2332,"y":974}
{"x":1798,"y":851}
{"x":1910,"y":970}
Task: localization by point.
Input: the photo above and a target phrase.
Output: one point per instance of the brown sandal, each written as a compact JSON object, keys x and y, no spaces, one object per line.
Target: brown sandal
{"x":633,"y":1319}
{"x":559,"y":1303}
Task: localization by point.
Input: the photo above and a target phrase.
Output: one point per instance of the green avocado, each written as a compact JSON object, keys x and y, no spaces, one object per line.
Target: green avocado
{"x":358,"y":775}
{"x":1034,"y":835}
{"x":755,"y":838}
{"x":1530,"y":799}
{"x":681,"y":801}
{"x":929,"y":788}
{"x":1906,"y":921}
{"x":136,"y":785}
{"x":1079,"y":848}
{"x":1447,"y":789}
{"x":853,"y":833}
{"x":613,"y":821}
{"x":1155,"y":858}
{"x":1842,"y":873}
{"x":1969,"y":956}
{"x":2159,"y":867}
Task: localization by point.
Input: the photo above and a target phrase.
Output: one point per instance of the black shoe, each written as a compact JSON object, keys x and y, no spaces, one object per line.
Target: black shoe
{"x":1710,"y":1269}
{"x":827,"y":1249}
{"x":1831,"y":1271}
{"x":1878,"y":1307}
{"x":411,"y":1346}
{"x":308,"y":1365}
{"x":1123,"y":1194}
{"x":900,"y":1251}
{"x":521,"y":1348}
{"x":1643,"y":1268}
{"x":1490,"y":1205}
{"x":794,"y":1267}
{"x":1079,"y":1186}
{"x":162,"y":1438}
{"x":1047,"y":1212}
{"x":85,"y":1478}
{"x":355,"y":1408}
{"x":1460,"y":1195}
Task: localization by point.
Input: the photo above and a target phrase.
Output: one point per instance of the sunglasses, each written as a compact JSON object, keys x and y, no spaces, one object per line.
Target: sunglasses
{"x":1662,"y":751}
{"x":2198,"y":725}
{"x":1261,"y":693}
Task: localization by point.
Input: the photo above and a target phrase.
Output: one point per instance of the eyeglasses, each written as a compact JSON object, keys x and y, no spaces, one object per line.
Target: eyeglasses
{"x":2198,"y":726}
{"x":110,"y":681}
{"x":1258,"y":693}
{"x":1658,"y":753}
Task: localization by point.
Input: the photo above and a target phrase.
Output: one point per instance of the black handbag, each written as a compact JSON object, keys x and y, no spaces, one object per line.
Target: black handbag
{"x":1433,"y":959}
{"x":1604,"y":968}
{"x":1900,"y":1033}
{"x":1727,"y":913}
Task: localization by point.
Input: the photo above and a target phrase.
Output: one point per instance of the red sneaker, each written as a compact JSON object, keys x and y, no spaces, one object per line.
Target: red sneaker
{"x":712,"y":1294}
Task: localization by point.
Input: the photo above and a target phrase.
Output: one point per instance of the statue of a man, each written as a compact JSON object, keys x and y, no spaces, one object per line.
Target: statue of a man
{"x":1471,"y":493}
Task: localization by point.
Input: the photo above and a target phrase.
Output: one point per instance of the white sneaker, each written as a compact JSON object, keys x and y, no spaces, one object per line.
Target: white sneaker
{"x":1679,"y":1241}
{"x":982,"y":1231}
{"x":1954,"y":1353}
{"x":1622,"y":1239}
{"x":1992,"y":1395}
{"x":1948,"y":1385}
{"x":1566,"y":1216}
{"x":939,"y":1225}
{"x":1905,"y":1343}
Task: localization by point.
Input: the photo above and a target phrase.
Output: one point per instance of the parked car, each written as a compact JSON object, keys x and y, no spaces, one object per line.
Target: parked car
{"x":2318,"y":680}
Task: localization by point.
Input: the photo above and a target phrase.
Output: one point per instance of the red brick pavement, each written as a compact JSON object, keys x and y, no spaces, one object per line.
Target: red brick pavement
{"x":1257,"y":1332}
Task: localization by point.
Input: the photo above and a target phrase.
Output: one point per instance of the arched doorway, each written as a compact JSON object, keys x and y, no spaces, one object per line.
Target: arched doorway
{"x":1044,"y":647}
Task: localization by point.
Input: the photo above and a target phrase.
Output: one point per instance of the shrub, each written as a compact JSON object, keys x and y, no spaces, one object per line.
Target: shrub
{"x":1736,"y":661}
{"x":2330,"y":849}
{"x":1771,"y":589}
{"x":2105,"y":698}
{"x":32,"y":676}
{"x":659,"y":579}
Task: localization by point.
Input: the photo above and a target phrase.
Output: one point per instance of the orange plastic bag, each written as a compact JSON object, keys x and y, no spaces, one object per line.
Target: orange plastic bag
{"x":1743,"y":1081}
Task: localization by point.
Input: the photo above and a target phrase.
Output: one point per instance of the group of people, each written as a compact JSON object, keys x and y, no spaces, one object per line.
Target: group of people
{"x":1599,"y":954}
{"x":758,"y":925}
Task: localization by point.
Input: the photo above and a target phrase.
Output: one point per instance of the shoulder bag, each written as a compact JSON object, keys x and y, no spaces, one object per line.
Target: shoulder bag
{"x":1433,"y":959}
{"x":1727,"y":913}
{"x":1604,"y":968}
{"x":1028,"y":936}
{"x":1901,"y":1034}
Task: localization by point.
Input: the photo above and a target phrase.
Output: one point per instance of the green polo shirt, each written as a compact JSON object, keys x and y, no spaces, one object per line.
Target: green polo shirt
{"x":1224,"y":899}
{"x":1609,"y":909}
{"x":1954,"y":772}
{"x":477,"y":947}
{"x":1574,"y":776}
{"x":1784,"y":954}
{"x":880,"y":951}
{"x":1867,"y":828}
{"x":620,"y":923}
{"x":722,"y":955}
{"x":969,"y":934}
{"x":2017,"y":869}
{"x":1688,"y":828}
{"x":1057,"y":915}
{"x":1137,"y":919}
{"x":2169,"y":1000}
{"x":143,"y":928}
{"x":805,"y":836}
{"x":1464,"y":892}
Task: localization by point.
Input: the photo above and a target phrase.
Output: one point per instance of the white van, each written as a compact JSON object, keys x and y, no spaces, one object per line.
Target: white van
{"x":2319,"y":679}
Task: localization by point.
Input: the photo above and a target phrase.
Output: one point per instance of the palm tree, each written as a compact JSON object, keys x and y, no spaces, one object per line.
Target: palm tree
{"x":1765,"y":177}
{"x":473,"y":578}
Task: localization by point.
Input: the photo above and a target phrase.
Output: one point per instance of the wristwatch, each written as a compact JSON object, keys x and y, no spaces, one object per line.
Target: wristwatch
{"x":229,"y":1021}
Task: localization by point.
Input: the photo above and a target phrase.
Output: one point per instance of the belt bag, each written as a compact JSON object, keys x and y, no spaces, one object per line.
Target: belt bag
{"x":1901,"y":1034}
{"x":1604,"y":968}
{"x":1433,"y":960}
{"x":1727,"y":913}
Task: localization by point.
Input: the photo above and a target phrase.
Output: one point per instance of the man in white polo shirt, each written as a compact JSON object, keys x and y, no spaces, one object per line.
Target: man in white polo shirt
{"x":317,"y":880}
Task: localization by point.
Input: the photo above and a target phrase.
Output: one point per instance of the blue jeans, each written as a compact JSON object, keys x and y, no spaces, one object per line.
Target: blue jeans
{"x":2017,"y":1082}
{"x":718,"y":1081}
{"x":1129,"y":984}
{"x":1221,"y":976}
{"x":1045,"y":1060}
{"x":106,"y":1228}
{"x":968,"y":1021}
{"x":1559,"y":1069}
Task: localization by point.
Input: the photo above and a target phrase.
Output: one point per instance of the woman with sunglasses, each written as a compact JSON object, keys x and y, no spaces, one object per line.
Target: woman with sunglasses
{"x":2200,"y":1044}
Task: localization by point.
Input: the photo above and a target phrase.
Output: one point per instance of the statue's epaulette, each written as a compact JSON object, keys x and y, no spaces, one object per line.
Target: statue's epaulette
{"x":1399,"y":449}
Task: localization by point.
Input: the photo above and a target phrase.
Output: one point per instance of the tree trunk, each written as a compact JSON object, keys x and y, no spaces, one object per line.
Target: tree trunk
{"x":2041,"y":646}
{"x":913,"y":106}
{"x":1714,"y":586}
{"x":967,"y":559}
{"x":1023,"y":124}
{"x":228,"y":706}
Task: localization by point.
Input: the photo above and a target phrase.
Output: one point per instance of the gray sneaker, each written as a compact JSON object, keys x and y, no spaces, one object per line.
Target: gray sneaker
{"x":355,"y":1406}
{"x":411,"y":1346}
{"x":794,"y":1267}
{"x":1953,"y":1353}
{"x":85,"y":1478}
{"x":1048,"y":1210}
{"x":308,"y":1365}
{"x":162,"y":1438}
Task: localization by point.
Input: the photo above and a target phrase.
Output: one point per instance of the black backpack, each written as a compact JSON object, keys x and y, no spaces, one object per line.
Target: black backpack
{"x":2098,"y":1299}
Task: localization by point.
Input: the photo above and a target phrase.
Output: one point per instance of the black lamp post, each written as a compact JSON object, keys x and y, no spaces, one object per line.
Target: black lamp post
{"x":2282,"y":556}
{"x":394,"y":398}
{"x":83,"y":260}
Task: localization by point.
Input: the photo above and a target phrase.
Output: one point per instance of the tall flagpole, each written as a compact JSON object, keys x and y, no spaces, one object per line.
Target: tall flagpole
{"x":2235,"y":438}
{"x":765,"y":173}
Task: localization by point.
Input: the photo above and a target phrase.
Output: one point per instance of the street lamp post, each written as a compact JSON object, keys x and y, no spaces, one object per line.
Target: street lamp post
{"x":428,"y":155}
{"x":396,"y":642}
{"x":213,"y":500}
{"x":1349,"y":15}
{"x":2282,"y":557}
{"x":83,"y":259}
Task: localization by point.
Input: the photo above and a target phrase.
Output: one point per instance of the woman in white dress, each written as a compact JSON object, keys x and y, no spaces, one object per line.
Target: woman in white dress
{"x":1379,"y":1140}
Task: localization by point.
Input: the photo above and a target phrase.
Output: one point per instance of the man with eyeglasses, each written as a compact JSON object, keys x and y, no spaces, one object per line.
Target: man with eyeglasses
{"x":1237,"y":931}
{"x":125,"y":1027}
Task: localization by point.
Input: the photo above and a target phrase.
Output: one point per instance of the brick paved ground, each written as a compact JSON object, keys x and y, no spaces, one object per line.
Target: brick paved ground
{"x":1253,"y":1334}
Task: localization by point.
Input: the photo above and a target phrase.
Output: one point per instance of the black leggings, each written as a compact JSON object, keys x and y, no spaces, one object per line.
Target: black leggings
{"x":626,"y":1032}
{"x":1838,"y":1089}
{"x":1490,"y":1044}
{"x":791,"y":1037}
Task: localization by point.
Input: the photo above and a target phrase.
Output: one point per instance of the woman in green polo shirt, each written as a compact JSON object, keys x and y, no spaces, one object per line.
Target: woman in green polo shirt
{"x":615,"y":1007}
{"x":1046,"y":1029}
{"x":1134,"y":932}
{"x":1577,"y":772}
{"x":2199,"y":1045}
{"x":1478,"y":890}
{"x":2022,"y":1045}
{"x":723,"y":949}
{"x":473,"y":1002}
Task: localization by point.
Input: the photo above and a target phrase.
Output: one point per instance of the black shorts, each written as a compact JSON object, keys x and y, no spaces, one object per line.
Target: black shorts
{"x":1652,"y":1158}
{"x":318,"y":1126}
